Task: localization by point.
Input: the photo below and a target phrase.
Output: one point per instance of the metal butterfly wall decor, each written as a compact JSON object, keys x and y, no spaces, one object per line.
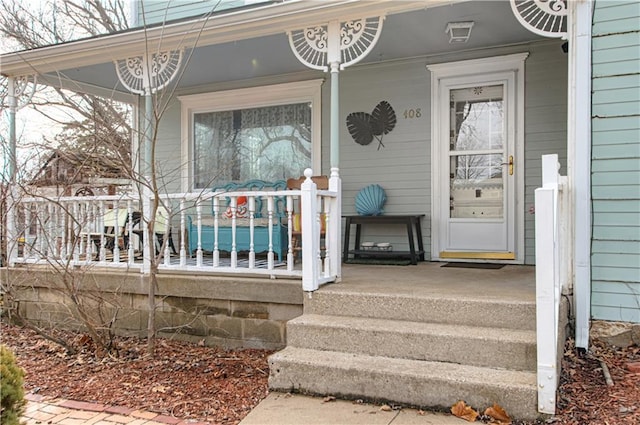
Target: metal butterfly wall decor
{"x":363,"y":127}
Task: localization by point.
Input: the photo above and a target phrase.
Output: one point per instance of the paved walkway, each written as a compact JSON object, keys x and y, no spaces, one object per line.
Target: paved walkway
{"x":287,"y":409}
{"x":276,"y":409}
{"x":41,"y":411}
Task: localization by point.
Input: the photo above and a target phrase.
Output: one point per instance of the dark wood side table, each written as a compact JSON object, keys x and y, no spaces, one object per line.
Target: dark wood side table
{"x":411,"y":221}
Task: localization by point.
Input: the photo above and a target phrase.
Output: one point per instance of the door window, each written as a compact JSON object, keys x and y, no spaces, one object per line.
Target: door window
{"x":476,"y":151}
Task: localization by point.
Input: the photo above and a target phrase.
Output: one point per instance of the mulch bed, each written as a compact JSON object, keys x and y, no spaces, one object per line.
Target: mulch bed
{"x":584,"y":396}
{"x":183,"y":380}
{"x":219,"y":386}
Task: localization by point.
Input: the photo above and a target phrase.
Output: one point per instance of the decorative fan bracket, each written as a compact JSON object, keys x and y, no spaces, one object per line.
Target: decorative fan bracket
{"x":147,"y":73}
{"x":547,"y":18}
{"x":346,"y":42}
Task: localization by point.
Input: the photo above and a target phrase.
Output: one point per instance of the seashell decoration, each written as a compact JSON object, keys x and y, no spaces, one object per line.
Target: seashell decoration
{"x":370,"y":200}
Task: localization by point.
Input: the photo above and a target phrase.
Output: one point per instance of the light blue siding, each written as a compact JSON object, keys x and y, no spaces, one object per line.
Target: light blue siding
{"x":545,"y":124}
{"x":157,"y":11}
{"x":615,"y":260}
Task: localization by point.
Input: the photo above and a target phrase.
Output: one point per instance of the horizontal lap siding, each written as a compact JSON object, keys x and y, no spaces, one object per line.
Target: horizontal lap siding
{"x":403,"y":166}
{"x":157,"y":11}
{"x":168,"y":149}
{"x":615,"y":261}
{"x":545,"y":124}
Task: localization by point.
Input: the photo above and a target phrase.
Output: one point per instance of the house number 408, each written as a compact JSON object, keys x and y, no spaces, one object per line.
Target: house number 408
{"x":412,"y":113}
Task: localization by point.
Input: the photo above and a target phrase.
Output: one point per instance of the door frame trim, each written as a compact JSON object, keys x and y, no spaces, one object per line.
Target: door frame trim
{"x":472,"y":68}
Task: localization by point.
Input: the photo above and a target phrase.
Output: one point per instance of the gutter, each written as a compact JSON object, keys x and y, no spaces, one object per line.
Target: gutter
{"x":240,"y":25}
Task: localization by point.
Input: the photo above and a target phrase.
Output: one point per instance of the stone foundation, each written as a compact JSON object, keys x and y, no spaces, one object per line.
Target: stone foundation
{"x":234,"y":312}
{"x":618,"y":334}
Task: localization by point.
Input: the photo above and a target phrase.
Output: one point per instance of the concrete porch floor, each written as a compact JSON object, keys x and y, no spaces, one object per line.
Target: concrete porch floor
{"x":510,"y":283}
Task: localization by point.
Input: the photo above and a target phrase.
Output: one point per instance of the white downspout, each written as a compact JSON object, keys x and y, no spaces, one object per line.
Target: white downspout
{"x":579,"y":160}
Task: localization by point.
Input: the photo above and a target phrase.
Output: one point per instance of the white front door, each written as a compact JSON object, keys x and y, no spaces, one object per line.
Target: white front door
{"x":476,"y":186}
{"x":478,"y":175}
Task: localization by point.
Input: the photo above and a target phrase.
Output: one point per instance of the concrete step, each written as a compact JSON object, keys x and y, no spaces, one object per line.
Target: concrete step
{"x":475,"y":346}
{"x":409,"y":382}
{"x":470,"y":311}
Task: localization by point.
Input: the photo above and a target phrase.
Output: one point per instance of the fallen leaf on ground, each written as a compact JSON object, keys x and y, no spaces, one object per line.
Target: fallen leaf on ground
{"x":497,"y":413}
{"x":461,"y":410}
{"x":385,"y":408}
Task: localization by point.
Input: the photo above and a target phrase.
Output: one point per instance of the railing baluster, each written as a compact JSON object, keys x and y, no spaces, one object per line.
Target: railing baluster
{"x":102,"y":251}
{"x":199,"y":221}
{"x":290,"y":255}
{"x":42,"y":214}
{"x":216,"y":217}
{"x":183,"y":250}
{"x":69,"y":231}
{"x":48,"y":229}
{"x":129,"y":230}
{"x":318,"y":224}
{"x":270,"y":214}
{"x":59,"y":209}
{"x":77,"y":246}
{"x":234,"y":223}
{"x":327,"y":236}
{"x":62,"y":231}
{"x":116,"y":231}
{"x":167,"y":229}
{"x":27,"y":249}
{"x":252,"y":214}
{"x":88,"y":228}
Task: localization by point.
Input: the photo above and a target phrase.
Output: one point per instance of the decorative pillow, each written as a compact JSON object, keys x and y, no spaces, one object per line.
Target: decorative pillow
{"x":297,"y":224}
{"x":370,"y":200}
{"x":241,"y":209}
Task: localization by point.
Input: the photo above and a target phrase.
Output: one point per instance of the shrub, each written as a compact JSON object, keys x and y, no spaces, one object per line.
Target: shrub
{"x":12,"y":400}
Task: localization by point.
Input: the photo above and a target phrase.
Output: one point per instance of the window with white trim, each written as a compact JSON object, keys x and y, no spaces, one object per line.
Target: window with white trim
{"x":268,"y":133}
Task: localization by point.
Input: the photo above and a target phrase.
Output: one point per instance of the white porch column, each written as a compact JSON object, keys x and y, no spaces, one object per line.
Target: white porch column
{"x":11,"y":233}
{"x":11,"y":169}
{"x":149,"y":127}
{"x":16,"y":90}
{"x":145,"y":75}
{"x":332,"y":47}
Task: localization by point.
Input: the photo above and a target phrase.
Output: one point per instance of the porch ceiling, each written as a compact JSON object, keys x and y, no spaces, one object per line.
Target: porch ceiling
{"x":405,"y":34}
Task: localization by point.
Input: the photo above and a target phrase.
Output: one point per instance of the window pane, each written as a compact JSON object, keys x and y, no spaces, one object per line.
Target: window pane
{"x":476,"y":186}
{"x":477,"y":118}
{"x":268,"y":143}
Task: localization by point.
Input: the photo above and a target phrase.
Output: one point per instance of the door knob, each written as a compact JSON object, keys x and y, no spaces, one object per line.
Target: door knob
{"x":510,"y":164}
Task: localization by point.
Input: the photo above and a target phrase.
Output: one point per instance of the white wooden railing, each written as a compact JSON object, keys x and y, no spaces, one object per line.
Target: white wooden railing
{"x":551,"y":222}
{"x":73,"y":231}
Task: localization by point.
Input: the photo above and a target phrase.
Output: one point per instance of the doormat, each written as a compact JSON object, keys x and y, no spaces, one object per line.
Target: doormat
{"x":379,"y":261}
{"x":489,"y":266}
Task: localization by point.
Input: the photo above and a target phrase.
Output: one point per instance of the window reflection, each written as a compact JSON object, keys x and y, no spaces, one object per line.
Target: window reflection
{"x":477,"y":129}
{"x":268,"y":143}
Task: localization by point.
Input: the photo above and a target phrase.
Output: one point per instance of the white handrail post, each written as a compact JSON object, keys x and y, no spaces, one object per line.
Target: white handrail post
{"x":547,"y":283}
{"x":310,"y":232}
